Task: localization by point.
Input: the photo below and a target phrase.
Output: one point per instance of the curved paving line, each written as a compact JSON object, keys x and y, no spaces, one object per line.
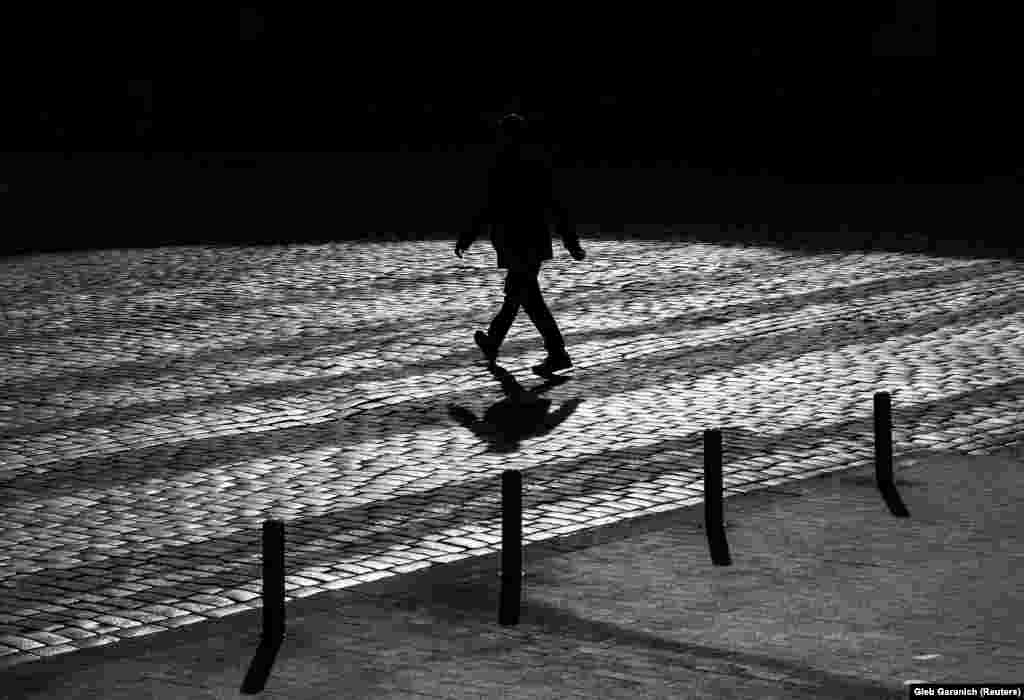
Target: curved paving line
{"x":419,"y":413}
{"x":390,"y":285}
{"x":214,"y":310}
{"x":127,"y":465}
{"x":230,"y":266}
{"x":652,"y":370}
{"x":415,"y":516}
{"x":284,"y":389}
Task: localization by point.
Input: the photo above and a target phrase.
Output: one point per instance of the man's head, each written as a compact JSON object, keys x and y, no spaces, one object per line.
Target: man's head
{"x":511,"y":133}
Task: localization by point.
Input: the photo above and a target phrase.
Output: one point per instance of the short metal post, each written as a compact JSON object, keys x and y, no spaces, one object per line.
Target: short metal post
{"x":714,"y":522}
{"x":883,"y":439}
{"x":511,"y":546}
{"x":273,"y":581}
{"x":883,"y":456}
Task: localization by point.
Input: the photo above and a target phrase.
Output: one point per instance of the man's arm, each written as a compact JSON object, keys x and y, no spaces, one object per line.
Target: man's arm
{"x":563,"y":227}
{"x":477,"y":226}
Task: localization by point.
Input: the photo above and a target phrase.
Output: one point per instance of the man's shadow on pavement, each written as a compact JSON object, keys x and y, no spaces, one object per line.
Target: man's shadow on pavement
{"x":520,"y":415}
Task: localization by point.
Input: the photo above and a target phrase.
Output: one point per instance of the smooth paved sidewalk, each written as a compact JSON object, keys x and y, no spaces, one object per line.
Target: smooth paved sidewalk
{"x":829,"y":596}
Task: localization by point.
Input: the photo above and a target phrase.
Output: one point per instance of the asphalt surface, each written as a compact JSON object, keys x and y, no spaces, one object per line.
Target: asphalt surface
{"x":827,"y":596}
{"x":159,"y":404}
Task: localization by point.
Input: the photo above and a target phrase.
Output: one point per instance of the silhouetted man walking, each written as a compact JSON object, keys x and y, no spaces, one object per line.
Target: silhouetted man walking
{"x":519,"y":199}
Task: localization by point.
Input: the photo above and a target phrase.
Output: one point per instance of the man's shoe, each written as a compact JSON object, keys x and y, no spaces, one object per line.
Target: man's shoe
{"x":552,"y":364}
{"x":577,"y":253}
{"x":486,"y":346}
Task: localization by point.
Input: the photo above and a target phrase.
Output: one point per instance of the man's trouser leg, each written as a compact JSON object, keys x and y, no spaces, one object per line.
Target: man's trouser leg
{"x":509,"y":309}
{"x":538,"y":311}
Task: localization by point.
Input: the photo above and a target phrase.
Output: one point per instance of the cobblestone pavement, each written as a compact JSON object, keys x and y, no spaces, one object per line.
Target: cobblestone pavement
{"x":158,"y":405}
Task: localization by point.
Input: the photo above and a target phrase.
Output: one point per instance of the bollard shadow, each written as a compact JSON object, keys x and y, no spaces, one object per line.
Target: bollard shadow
{"x":890,"y":494}
{"x":520,"y":415}
{"x":259,"y":669}
{"x":471,"y":599}
{"x":872,"y":480}
{"x":892,"y":499}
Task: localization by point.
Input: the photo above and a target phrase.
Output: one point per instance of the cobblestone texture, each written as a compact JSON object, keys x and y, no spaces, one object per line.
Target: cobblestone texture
{"x":157,"y":405}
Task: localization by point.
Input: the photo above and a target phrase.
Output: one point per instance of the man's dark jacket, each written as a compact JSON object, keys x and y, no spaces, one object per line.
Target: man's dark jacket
{"x":519,"y":202}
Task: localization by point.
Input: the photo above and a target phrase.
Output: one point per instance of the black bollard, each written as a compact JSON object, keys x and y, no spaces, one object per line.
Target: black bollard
{"x":714,"y":522}
{"x":883,"y":456}
{"x":511,"y":546}
{"x":273,"y":581}
{"x":883,"y":439}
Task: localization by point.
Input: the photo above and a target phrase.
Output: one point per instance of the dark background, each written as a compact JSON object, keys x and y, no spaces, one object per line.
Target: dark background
{"x":147,"y":127}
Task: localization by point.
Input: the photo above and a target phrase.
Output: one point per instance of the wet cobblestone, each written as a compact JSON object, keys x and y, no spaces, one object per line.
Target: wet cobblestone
{"x":157,"y":405}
